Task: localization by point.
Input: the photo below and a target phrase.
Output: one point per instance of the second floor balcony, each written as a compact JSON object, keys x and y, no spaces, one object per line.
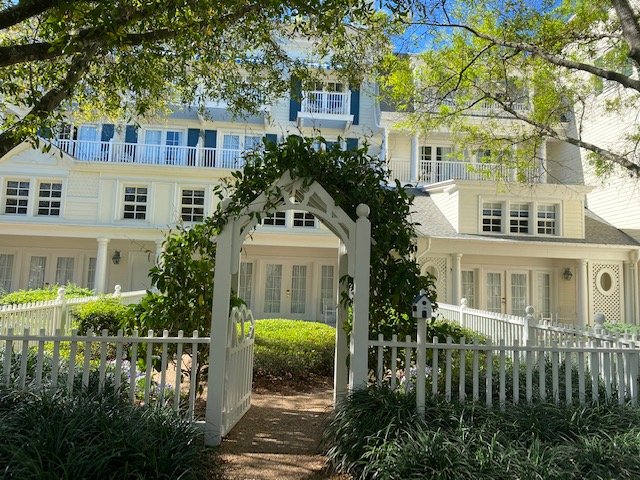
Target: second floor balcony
{"x":326,"y":109}
{"x":147,"y":154}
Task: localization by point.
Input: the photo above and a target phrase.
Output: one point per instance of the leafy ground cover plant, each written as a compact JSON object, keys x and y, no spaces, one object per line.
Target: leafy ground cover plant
{"x":376,"y":433}
{"x":293,"y":349}
{"x":54,"y":435}
{"x":43,"y":294}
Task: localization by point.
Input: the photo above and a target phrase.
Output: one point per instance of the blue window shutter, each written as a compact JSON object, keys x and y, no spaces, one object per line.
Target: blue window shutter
{"x":296,"y":97}
{"x":271,"y":138}
{"x":352,"y":143}
{"x":45,"y":132}
{"x":107,"y":132}
{"x":210,"y":138}
{"x":131,"y":134}
{"x":355,"y":106}
{"x":193,"y":135}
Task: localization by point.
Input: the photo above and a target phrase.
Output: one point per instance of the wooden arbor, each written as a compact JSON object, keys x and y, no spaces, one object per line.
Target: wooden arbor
{"x":291,"y":193}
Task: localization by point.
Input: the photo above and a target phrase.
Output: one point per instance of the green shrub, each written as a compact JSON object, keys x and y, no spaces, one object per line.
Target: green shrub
{"x":44,"y":294}
{"x":376,"y":433}
{"x":443,"y":328}
{"x":53,"y":435}
{"x":621,"y":328}
{"x":105,"y":313}
{"x":293,"y":349}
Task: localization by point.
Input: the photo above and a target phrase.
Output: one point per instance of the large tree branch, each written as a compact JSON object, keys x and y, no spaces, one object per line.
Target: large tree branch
{"x":558,"y":60}
{"x":24,"y":10}
{"x":48,"y":102}
{"x":551,"y":132}
{"x":630,"y":27}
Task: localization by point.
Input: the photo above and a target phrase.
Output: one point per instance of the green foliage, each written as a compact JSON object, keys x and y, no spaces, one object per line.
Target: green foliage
{"x":43,"y":294}
{"x":443,"y":329}
{"x":377,"y":433}
{"x":293,"y":349}
{"x":505,"y":76}
{"x":106,"y":313}
{"x":621,"y":328}
{"x":53,"y":435}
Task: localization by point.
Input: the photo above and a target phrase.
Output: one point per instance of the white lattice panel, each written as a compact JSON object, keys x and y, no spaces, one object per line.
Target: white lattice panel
{"x":606,"y":290}
{"x":438,"y":267}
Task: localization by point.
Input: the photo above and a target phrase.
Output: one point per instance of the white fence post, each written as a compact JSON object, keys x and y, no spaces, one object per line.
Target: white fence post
{"x":598,"y":323}
{"x":62,"y":320}
{"x":117,"y":292}
{"x":421,"y":364}
{"x":526,"y":327}
{"x":463,"y":308}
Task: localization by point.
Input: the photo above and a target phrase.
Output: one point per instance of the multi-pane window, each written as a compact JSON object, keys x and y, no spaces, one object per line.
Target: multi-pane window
{"x":327,"y":293}
{"x":494,"y":292}
{"x":492,"y":217}
{"x":64,"y":270}
{"x":469,"y":287}
{"x":17,"y":197}
{"x":275,"y":219}
{"x":298,"y":288}
{"x":135,"y":203}
{"x":546,"y":219}
{"x":518,"y":293}
{"x":91,"y":273}
{"x":6,"y":271}
{"x":49,"y":198}
{"x":544,"y":295}
{"x":37,"y":267}
{"x":519,"y":218}
{"x":304,"y":219}
{"x":245,"y":280}
{"x":192,"y":209}
{"x":435,"y":168}
{"x":273,"y":289}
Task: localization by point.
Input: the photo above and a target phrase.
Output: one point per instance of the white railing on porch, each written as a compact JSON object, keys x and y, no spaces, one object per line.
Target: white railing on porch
{"x":498,"y":326}
{"x":38,"y":361}
{"x":329,"y":103}
{"x":52,"y":315}
{"x":145,"y":154}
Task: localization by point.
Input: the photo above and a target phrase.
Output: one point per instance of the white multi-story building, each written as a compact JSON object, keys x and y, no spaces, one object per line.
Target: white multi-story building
{"x":95,"y":209}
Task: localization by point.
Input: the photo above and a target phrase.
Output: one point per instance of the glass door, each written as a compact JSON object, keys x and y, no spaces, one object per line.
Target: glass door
{"x":88,"y":143}
{"x":494,"y":292}
{"x":518,"y":298}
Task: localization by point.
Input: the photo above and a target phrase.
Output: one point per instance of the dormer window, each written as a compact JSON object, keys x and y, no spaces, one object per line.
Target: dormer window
{"x":492,"y":217}
{"x":546,"y":219}
{"x":519,"y":218}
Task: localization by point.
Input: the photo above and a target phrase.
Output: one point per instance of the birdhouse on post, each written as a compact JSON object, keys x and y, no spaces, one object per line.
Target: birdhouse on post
{"x":422,"y":306}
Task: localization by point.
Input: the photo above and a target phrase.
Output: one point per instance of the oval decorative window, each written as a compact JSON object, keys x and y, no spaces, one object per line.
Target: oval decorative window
{"x":606,"y":281}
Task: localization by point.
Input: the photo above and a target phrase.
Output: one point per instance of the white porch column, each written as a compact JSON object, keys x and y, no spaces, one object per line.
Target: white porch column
{"x":456,"y":281}
{"x":628,"y":293}
{"x":219,"y":331}
{"x":384,"y":152}
{"x":100,"y":281}
{"x":415,"y":155}
{"x":542,"y":164}
{"x":635,"y":288}
{"x":582,"y":283}
{"x":341,"y":371}
{"x":359,"y":366}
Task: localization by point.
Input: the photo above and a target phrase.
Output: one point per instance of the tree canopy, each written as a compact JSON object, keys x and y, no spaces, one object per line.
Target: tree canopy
{"x":129,"y":58}
{"x":545,"y":65}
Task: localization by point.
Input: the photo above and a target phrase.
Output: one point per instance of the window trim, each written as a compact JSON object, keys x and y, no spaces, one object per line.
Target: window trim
{"x":121,"y":204}
{"x":29,"y":196}
{"x":61,"y":200}
{"x":506,"y":217}
{"x":205,"y":202}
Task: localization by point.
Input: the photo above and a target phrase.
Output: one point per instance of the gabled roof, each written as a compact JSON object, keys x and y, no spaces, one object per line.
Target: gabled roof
{"x":433,"y":223}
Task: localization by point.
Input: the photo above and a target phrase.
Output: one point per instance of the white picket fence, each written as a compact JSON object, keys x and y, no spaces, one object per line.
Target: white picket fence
{"x":498,"y":326}
{"x":53,"y":315}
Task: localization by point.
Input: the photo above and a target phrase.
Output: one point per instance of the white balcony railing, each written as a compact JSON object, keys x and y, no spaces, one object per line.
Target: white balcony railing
{"x":329,"y":103}
{"x":435,"y":171}
{"x":136,"y":153}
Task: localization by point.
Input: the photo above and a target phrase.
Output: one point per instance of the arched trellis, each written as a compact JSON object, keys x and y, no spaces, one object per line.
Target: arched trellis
{"x":290,"y":193}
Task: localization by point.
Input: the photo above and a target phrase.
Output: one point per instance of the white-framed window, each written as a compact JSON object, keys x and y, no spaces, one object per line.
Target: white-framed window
{"x":519,"y":218}
{"x":275,"y":219}
{"x":273,"y":288}
{"x":135,"y":203}
{"x":298,"y":289}
{"x":64,"y":270}
{"x":16,"y":200}
{"x":494,"y":291}
{"x":492,"y":217}
{"x":327,"y":293}
{"x":546,"y":219}
{"x":164,"y":146}
{"x":91,"y":273}
{"x":37,"y":267}
{"x":6,"y":272}
{"x":234,"y":144}
{"x":434,"y":163}
{"x":245,"y":282}
{"x":519,"y":289}
{"x":544,"y":294}
{"x":49,"y":198}
{"x":192,"y":205}
{"x":304,"y":219}
{"x":469,"y":287}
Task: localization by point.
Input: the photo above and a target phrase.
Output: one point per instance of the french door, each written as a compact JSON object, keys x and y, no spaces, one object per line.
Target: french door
{"x":286,"y":290}
{"x":507,"y":292}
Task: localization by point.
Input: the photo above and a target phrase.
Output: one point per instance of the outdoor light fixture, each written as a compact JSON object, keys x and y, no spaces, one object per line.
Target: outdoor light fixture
{"x":116,"y":257}
{"x":567,"y":275}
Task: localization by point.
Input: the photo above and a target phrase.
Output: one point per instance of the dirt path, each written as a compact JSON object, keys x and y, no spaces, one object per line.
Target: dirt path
{"x":279,"y":437}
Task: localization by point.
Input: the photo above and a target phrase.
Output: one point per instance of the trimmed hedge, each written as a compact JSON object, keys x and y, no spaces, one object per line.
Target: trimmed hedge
{"x":293,"y":349}
{"x":105,"y":313}
{"x":44,"y":294}
{"x":377,"y":433}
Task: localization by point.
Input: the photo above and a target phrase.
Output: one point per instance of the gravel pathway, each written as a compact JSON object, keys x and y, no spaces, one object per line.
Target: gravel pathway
{"x":279,"y":437}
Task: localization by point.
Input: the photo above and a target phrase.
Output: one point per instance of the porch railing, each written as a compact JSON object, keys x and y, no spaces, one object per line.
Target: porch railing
{"x":440,"y":171}
{"x":329,"y":103}
{"x":139,"y":153}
